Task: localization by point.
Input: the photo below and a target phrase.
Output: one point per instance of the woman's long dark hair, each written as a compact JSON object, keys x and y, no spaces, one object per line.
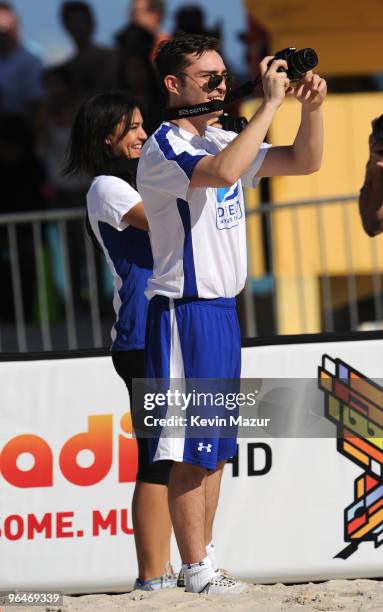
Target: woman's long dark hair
{"x":88,"y":154}
{"x":96,"y":119}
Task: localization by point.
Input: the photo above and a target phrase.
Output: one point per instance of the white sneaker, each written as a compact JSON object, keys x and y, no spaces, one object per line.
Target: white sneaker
{"x":223,"y":585}
{"x":220,"y":570}
{"x":155,"y":584}
{"x":167,"y":581}
{"x":225,"y":573}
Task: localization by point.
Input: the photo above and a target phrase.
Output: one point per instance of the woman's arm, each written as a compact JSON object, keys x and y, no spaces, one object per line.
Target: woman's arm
{"x":136,"y":217}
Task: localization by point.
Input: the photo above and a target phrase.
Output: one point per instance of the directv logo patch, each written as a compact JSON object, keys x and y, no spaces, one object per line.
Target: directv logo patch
{"x":228,"y":207}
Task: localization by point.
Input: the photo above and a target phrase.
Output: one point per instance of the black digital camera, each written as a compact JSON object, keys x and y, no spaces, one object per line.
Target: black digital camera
{"x":298,"y":62}
{"x":232,"y":124}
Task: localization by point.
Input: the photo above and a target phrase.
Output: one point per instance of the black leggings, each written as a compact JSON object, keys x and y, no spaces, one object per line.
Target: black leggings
{"x":129,"y":365}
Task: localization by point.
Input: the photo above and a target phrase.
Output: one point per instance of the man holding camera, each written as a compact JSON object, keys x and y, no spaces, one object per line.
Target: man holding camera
{"x":371,"y":194}
{"x":190,"y":177}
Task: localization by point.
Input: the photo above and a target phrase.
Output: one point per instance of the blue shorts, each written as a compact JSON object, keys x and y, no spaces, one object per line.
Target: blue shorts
{"x":193,"y":338}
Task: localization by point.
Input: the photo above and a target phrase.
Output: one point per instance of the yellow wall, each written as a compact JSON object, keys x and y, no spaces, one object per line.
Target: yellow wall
{"x":301,"y":253}
{"x":346,"y":35}
{"x":254,"y":223}
{"x":347,"y":121}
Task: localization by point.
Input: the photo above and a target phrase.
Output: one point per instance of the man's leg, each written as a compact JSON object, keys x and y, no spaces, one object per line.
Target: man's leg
{"x":187,"y":504}
{"x":213,"y":484}
{"x":186,"y":340}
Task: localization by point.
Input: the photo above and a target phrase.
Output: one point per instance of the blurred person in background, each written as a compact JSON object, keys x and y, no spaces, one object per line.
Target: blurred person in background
{"x":21,"y":87}
{"x":191,"y":20}
{"x":257,"y":45}
{"x":22,"y":174}
{"x":60,"y":108}
{"x":137,"y":75}
{"x":371,"y":194}
{"x":105,"y":144}
{"x":22,"y":188}
{"x":148,"y":14}
{"x":135,"y":38}
{"x":93,"y":67}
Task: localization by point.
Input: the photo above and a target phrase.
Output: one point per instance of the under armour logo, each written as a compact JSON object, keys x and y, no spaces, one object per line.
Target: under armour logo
{"x":206,"y":447}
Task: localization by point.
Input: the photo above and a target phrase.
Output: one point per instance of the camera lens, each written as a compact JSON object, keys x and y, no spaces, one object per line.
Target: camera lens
{"x":304,"y":60}
{"x":309,"y":58}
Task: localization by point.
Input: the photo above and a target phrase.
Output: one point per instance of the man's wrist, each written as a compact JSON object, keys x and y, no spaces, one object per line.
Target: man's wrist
{"x":270,"y":105}
{"x":308,"y":107}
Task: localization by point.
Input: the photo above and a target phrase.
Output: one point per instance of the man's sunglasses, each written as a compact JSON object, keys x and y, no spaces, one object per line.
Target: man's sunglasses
{"x":214,"y":81}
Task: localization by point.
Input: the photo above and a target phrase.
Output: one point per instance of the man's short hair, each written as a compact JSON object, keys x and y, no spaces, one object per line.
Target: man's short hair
{"x":76,"y":6}
{"x":174,"y":55}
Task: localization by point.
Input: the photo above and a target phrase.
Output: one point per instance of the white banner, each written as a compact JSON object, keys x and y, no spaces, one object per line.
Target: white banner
{"x":68,"y":461}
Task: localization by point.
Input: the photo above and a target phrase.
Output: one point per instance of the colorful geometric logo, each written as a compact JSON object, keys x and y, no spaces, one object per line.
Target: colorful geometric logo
{"x":354,"y":403}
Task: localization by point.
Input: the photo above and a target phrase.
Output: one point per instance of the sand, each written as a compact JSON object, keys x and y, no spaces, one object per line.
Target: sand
{"x":351,"y":595}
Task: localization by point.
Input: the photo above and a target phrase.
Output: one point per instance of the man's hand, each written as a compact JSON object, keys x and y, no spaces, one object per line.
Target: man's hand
{"x":311,"y":90}
{"x":275,"y":84}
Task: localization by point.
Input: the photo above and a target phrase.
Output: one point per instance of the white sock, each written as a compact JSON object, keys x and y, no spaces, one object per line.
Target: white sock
{"x":197,"y":575}
{"x":210,"y":551}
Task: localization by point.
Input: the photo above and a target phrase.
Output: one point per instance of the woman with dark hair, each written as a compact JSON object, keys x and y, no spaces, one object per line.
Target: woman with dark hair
{"x":106,"y":141}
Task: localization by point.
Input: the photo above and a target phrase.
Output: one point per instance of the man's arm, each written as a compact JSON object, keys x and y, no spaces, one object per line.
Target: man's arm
{"x":225,"y":168}
{"x":371,"y":194}
{"x":304,"y":156}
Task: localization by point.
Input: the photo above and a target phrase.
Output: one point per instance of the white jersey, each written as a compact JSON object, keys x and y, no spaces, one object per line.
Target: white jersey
{"x":198,"y":235}
{"x":127,"y":251}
